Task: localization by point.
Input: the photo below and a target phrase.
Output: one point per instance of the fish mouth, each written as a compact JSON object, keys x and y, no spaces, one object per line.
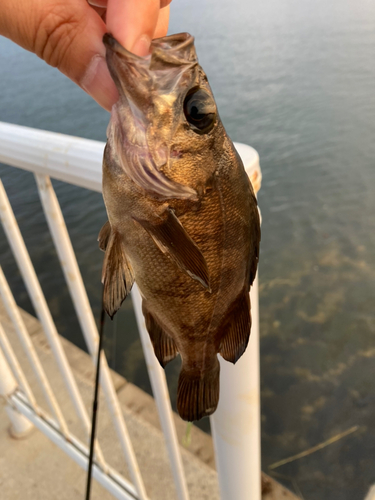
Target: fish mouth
{"x":178,"y":49}
{"x":159,"y":71}
{"x":143,"y":121}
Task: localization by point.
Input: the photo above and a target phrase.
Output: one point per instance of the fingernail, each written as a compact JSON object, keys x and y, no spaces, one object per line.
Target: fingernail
{"x":142,"y":46}
{"x":98,"y":83}
{"x":98,"y":3}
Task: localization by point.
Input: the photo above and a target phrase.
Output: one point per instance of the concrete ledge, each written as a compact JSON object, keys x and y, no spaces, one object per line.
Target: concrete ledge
{"x":36,"y":469}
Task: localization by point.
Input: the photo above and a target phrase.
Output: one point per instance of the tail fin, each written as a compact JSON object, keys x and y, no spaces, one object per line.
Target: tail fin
{"x":198,"y":393}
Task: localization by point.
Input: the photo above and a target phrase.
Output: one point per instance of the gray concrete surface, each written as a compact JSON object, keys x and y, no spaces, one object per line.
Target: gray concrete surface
{"x":35,"y":469}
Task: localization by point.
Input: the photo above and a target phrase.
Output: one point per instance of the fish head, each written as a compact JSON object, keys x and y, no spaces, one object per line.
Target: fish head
{"x":164,"y":127}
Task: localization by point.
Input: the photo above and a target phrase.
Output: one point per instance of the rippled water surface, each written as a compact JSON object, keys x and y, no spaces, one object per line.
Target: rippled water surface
{"x":296,"y":80}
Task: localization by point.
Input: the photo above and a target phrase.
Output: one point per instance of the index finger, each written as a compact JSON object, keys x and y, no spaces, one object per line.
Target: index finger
{"x":133,"y":22}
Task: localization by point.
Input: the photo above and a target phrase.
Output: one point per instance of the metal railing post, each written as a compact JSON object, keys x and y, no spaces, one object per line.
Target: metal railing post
{"x":20,"y":425}
{"x":163,"y":402}
{"x":236,"y":423}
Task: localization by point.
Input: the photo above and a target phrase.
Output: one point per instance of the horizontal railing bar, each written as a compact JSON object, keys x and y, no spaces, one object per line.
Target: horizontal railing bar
{"x":71,"y":159}
{"x":116,"y":485}
{"x":68,"y":261}
{"x":66,"y":158}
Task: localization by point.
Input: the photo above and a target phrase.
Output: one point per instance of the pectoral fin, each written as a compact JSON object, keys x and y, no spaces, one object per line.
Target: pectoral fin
{"x":171,"y":238}
{"x":117,"y":274}
{"x":104,"y":235}
{"x":237,"y":330}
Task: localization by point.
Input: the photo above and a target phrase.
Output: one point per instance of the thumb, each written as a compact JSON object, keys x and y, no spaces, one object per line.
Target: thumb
{"x":67,"y":35}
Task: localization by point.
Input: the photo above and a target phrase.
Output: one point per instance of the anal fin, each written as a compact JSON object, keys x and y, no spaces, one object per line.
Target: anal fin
{"x":117,"y":274}
{"x":237,"y":329}
{"x":164,"y":346}
{"x":170,"y":237}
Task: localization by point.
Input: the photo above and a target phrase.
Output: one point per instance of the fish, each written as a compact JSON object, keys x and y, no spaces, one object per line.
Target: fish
{"x":183,"y":219}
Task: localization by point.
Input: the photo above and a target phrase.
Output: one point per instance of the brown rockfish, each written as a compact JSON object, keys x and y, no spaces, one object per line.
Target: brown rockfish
{"x":183,"y":218}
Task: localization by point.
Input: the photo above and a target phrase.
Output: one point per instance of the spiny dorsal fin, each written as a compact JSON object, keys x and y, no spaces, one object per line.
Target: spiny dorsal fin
{"x":117,"y":275}
{"x":237,"y":330}
{"x":164,"y":346}
{"x":171,"y":238}
{"x":198,"y":392}
{"x":104,"y":235}
{"x":255,"y":238}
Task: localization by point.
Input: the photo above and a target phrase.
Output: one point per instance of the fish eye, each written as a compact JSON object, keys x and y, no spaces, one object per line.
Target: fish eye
{"x":200,"y":111}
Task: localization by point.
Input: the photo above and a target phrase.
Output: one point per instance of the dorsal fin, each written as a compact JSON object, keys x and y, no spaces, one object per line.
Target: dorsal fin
{"x":254,"y":238}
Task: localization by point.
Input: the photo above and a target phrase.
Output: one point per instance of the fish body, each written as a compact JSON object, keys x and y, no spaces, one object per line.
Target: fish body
{"x":182,"y":216}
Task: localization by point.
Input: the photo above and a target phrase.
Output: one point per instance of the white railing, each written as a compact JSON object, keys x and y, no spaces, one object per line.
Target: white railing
{"x":236,"y":423}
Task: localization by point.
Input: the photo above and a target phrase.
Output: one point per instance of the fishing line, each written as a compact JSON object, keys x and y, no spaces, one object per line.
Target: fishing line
{"x":95,"y":401}
{"x":114,"y":344}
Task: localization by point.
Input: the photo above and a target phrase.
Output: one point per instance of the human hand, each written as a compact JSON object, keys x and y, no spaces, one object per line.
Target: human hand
{"x":68,"y":34}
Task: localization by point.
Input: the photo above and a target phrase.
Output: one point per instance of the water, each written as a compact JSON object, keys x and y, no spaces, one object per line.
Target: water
{"x":296,"y":81}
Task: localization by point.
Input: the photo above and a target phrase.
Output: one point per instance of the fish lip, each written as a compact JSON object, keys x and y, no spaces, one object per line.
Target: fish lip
{"x":184,"y":38}
{"x":170,"y":44}
{"x":173,"y":43}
